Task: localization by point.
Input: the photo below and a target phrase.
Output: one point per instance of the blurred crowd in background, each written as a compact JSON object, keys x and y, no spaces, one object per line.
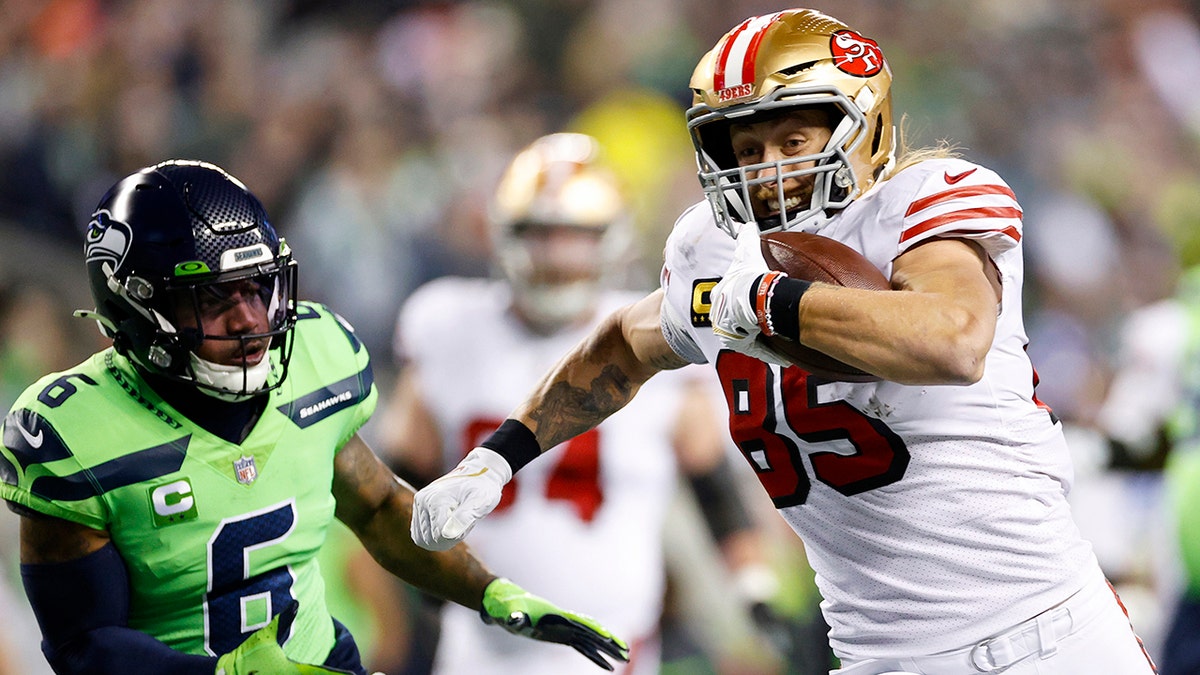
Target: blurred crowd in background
{"x":375,"y":130}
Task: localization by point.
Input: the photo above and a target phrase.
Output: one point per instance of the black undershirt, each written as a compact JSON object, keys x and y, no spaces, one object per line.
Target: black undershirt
{"x":231,"y":421}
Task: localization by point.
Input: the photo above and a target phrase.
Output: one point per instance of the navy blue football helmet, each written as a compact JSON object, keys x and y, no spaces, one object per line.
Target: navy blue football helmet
{"x":157,"y":242}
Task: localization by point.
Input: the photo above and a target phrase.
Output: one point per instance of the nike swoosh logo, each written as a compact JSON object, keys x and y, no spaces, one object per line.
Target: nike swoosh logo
{"x":469,"y":475}
{"x":34,"y":440}
{"x":951,"y":180}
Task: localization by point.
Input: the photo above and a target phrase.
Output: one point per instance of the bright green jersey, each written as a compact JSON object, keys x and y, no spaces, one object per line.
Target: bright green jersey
{"x":1183,"y":430}
{"x":217,"y":537}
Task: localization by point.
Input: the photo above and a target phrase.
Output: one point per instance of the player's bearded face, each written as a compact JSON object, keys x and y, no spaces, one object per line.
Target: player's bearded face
{"x":780,"y":142}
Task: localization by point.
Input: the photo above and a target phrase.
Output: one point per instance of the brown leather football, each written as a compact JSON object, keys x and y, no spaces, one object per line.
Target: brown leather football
{"x":812,"y":257}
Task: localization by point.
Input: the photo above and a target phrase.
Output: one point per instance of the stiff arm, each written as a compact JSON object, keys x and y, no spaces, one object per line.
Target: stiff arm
{"x":600,"y":375}
{"x":594,"y":380}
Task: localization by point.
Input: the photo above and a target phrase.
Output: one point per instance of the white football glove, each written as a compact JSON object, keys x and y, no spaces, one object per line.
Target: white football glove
{"x":734,"y":319}
{"x":445,"y":510}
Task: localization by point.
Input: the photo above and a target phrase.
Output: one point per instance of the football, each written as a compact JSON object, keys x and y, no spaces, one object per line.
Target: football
{"x":812,"y":257}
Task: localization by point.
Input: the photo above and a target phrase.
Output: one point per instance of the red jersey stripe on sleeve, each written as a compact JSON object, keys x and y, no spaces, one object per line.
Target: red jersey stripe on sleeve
{"x":965,"y":214}
{"x":958,"y":193}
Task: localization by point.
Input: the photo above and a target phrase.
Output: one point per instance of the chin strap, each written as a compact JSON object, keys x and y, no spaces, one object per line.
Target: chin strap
{"x":230,"y":383}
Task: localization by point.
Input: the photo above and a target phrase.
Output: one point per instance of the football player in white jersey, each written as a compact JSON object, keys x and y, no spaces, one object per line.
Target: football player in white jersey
{"x":932,"y":502}
{"x":560,"y":227}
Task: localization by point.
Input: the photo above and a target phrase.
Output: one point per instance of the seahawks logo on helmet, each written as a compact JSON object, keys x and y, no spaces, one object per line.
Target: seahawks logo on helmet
{"x":107,"y":239}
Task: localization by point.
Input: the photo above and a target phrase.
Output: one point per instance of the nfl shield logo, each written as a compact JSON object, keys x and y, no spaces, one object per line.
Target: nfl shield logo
{"x":245,"y":469}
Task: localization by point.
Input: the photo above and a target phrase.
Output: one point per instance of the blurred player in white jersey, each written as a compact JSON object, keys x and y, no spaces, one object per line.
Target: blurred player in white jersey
{"x":587,"y":522}
{"x":932,"y":502}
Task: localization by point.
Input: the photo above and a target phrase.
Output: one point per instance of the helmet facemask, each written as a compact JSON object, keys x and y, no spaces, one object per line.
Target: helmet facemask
{"x":178,"y":311}
{"x":729,"y":187}
{"x":767,"y":66}
{"x":196,"y":303}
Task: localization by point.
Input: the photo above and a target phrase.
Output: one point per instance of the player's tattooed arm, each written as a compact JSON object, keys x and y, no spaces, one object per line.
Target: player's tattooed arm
{"x":601,"y":375}
{"x":377,"y":506}
{"x":567,"y":410}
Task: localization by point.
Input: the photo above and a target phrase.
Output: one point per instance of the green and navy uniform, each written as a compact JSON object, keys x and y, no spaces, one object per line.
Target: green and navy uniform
{"x":217,"y":536}
{"x":1181,"y":653}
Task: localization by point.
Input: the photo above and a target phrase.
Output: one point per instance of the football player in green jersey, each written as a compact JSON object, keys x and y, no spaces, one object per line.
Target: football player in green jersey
{"x":174,"y":489}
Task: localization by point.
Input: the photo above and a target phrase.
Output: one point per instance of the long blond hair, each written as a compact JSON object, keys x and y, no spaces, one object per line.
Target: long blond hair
{"x":908,"y":156}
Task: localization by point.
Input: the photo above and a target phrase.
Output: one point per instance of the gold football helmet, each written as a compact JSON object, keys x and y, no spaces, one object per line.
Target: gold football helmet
{"x":559,"y":221}
{"x":778,"y":62}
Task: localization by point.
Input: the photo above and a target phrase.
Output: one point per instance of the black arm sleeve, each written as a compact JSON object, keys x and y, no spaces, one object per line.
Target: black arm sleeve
{"x":82,"y":607}
{"x":722,"y":506}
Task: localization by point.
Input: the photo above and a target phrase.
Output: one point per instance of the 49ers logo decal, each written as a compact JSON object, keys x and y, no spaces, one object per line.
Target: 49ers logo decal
{"x":856,"y":55}
{"x":736,"y":91}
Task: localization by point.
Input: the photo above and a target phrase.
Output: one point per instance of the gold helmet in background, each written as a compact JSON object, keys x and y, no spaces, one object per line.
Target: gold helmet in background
{"x":559,"y":221}
{"x":797,"y":58}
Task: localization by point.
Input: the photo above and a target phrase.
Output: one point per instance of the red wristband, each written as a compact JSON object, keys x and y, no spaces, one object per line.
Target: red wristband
{"x":762,"y":301}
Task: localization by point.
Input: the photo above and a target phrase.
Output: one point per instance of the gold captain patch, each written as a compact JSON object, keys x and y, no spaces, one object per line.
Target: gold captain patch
{"x":702,"y":301}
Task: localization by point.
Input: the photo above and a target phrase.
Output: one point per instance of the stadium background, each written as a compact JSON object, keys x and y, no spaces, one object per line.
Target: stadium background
{"x":374,"y":130}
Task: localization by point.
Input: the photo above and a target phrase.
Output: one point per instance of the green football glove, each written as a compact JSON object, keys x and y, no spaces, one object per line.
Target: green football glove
{"x":522,"y":613}
{"x":262,"y":652}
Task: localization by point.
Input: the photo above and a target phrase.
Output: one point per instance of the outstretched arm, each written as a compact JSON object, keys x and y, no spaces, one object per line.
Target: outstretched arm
{"x":377,"y":506}
{"x":593,"y":381}
{"x":601,"y":375}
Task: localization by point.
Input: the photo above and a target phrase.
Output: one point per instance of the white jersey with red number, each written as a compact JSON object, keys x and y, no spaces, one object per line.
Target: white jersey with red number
{"x":581,"y":525}
{"x":934,"y":516}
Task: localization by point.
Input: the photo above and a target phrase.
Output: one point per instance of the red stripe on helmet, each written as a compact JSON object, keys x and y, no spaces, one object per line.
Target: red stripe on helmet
{"x":723,"y":58}
{"x":752,"y":51}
